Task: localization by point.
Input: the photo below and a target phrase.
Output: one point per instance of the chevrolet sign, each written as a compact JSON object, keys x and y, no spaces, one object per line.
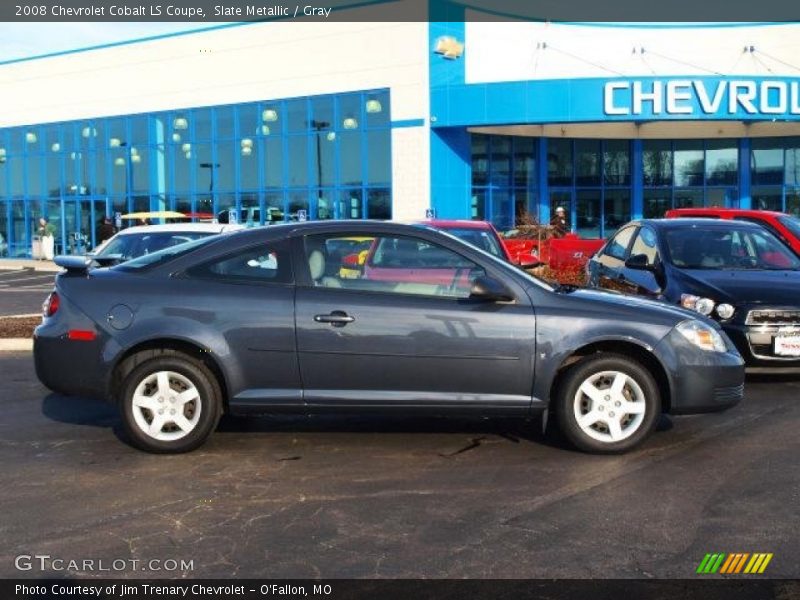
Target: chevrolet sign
{"x":693,"y":96}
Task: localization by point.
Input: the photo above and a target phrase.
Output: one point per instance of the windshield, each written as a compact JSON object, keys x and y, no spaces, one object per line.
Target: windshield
{"x":167,"y":254}
{"x":728,"y":248}
{"x":792,"y":224}
{"x":132,"y":245}
{"x":480,"y":238}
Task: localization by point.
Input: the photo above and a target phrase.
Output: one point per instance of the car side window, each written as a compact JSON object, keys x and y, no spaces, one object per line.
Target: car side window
{"x":618,"y":245}
{"x":646,"y":244}
{"x":389,"y":264}
{"x":262,"y":263}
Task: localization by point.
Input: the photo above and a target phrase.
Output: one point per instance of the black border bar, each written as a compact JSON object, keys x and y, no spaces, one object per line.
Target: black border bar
{"x":744,"y":588}
{"x":205,"y":11}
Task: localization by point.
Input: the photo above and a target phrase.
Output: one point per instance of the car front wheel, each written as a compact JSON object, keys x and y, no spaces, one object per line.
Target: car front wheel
{"x":607,"y":403}
{"x":170,"y":404}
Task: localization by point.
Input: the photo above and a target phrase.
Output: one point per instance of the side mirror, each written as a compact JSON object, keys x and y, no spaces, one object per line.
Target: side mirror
{"x":639,"y":262}
{"x":490,"y":290}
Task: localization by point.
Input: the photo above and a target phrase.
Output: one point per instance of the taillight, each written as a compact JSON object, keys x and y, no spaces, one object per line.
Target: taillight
{"x":50,"y":304}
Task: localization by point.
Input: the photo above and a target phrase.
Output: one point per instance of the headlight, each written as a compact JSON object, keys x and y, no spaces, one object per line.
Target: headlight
{"x":725,"y":311}
{"x":705,"y":306}
{"x":702,"y":335}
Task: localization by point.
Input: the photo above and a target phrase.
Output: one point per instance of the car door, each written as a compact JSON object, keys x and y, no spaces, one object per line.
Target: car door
{"x":247,"y":295}
{"x":609,"y":264}
{"x":405,"y":334}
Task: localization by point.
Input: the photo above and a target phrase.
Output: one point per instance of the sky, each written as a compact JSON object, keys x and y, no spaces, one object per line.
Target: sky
{"x":22,"y":40}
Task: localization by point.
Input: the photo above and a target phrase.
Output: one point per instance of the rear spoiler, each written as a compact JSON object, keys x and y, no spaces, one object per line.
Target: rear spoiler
{"x":109,"y":260}
{"x":74,"y":264}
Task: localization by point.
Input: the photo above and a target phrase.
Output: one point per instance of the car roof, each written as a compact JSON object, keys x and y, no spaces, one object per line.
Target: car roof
{"x":453,"y":223}
{"x":181,"y":228}
{"x":697,"y":222}
{"x":724,"y":211}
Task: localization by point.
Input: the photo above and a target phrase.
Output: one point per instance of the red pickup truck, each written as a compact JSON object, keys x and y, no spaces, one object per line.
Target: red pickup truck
{"x":785,"y":227}
{"x":568,"y":252}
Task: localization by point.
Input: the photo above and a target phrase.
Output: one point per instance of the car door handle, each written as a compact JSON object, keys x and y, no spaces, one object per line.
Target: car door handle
{"x":337,"y":318}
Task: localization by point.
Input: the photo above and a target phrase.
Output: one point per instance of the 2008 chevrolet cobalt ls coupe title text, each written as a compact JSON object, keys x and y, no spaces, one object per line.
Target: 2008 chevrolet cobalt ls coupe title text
{"x":261,"y":322}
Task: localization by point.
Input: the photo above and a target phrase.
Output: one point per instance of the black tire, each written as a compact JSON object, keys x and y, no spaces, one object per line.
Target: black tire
{"x":564,"y":403}
{"x":209,"y":399}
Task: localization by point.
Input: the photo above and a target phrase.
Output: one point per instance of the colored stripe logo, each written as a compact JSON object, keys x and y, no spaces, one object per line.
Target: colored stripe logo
{"x":735,"y":563}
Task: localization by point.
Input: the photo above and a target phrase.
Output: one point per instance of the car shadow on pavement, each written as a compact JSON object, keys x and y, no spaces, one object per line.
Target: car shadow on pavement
{"x":513,"y":430}
{"x":788,"y":376}
{"x":79,"y":411}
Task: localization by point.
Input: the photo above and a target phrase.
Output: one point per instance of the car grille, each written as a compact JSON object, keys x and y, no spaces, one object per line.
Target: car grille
{"x":773,"y":317}
{"x":729,"y":394}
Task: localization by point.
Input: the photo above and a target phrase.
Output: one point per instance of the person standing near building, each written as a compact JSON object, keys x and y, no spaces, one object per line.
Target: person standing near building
{"x":559,"y":223}
{"x":46,"y":233}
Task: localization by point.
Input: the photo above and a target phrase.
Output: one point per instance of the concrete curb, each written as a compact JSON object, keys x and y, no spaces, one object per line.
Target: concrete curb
{"x":25,"y":316}
{"x":16,"y":345}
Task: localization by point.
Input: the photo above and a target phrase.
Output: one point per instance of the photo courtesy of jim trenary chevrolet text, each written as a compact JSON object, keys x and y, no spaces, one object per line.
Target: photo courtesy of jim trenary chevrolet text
{"x":347,"y":299}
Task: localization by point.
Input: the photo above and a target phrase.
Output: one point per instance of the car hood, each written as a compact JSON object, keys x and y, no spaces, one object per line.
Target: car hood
{"x":743,"y":287}
{"x":634,"y":306}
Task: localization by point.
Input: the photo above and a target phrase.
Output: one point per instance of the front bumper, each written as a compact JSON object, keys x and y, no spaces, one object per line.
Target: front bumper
{"x":701,"y":381}
{"x":756,"y":344}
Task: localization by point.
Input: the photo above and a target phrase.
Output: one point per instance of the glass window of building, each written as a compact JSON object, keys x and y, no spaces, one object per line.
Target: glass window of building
{"x":722,"y":162}
{"x":227,"y":154}
{"x":657,"y":162}
{"x":377,"y":110}
{"x":297,"y":115}
{"x":559,"y":162}
{"x":379,"y":163}
{"x":689,"y":164}
{"x":480,"y":159}
{"x":350,"y":158}
{"x":524,"y":168}
{"x":202,"y":119}
{"x":587,"y":163}
{"x":616,"y":162}
{"x":792,"y":162}
{"x":500,"y":166}
{"x":226,"y":121}
{"x":273,"y":161}
{"x":767,"y":198}
{"x":656,"y":203}
{"x":298,"y":160}
{"x":766,"y":161}
{"x":616,"y":209}
{"x":588,"y":218}
{"x":201,"y":160}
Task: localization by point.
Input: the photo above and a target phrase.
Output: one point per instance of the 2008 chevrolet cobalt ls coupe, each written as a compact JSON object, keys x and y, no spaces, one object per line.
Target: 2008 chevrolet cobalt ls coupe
{"x":261,"y":322}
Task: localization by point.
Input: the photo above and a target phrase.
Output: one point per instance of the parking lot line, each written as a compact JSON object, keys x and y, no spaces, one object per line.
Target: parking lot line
{"x":34,"y":277}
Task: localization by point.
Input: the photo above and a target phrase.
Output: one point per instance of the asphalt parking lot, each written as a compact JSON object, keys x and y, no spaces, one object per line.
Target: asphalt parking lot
{"x":22,"y":290}
{"x":434,"y":498}
{"x":404,"y":498}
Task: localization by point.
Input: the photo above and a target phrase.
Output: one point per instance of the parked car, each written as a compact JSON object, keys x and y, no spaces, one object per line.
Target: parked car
{"x":784,"y":227}
{"x":736,"y":272}
{"x":146,"y":239}
{"x":261,"y":322}
{"x":483,"y":235}
{"x":570,"y":252}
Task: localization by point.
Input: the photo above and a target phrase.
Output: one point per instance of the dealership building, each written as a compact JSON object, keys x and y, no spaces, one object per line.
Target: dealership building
{"x":474,"y":118}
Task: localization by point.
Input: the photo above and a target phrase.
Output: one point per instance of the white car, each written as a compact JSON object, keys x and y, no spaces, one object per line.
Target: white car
{"x":144,"y":239}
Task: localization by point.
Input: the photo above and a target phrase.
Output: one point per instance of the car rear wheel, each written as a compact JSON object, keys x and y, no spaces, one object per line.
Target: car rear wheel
{"x":607,"y":403}
{"x":170,"y":404}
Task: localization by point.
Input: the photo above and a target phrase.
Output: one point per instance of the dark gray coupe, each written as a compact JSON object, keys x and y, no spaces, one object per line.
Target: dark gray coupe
{"x":280,"y":320}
